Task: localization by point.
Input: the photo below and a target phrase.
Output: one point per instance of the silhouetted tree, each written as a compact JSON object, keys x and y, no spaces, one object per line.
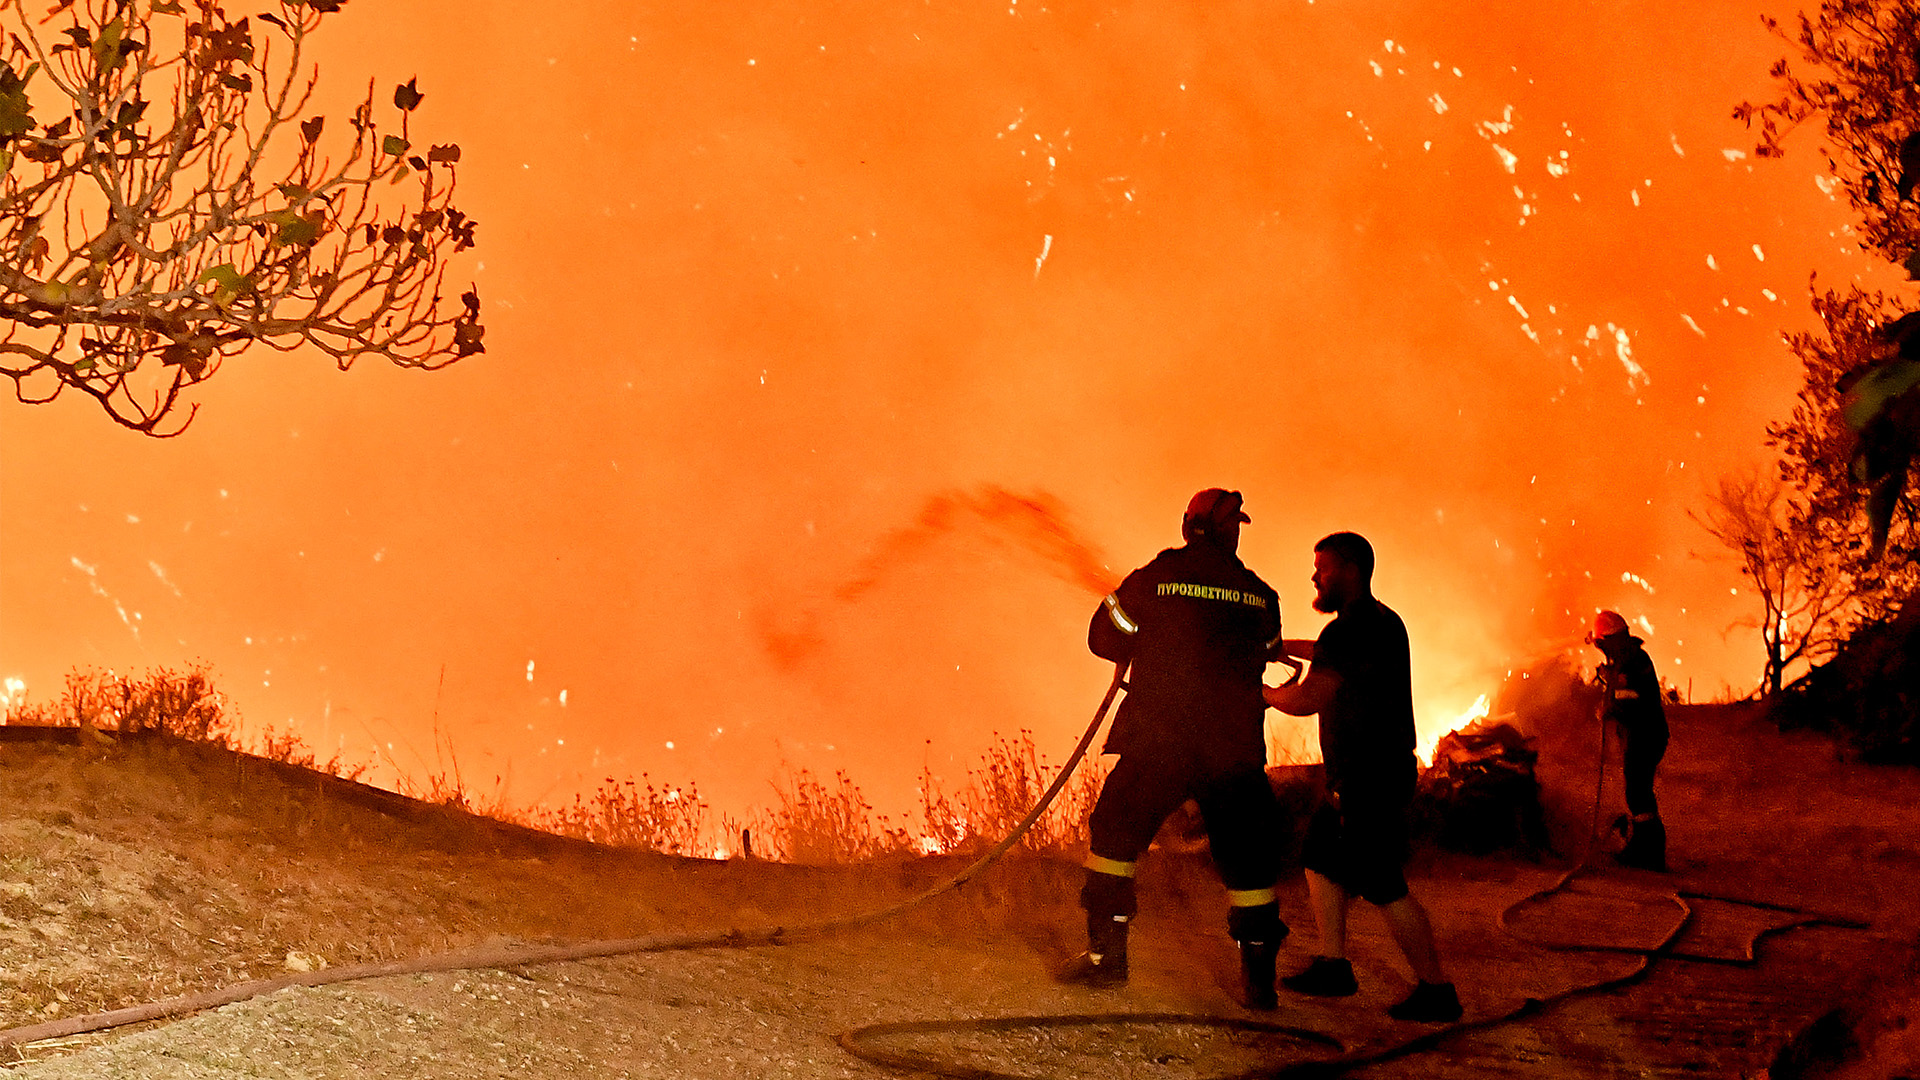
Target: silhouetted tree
{"x":164,"y":205}
{"x":1803,"y":597}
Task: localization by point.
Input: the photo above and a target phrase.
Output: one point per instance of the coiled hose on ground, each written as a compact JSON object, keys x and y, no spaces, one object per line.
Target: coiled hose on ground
{"x":862,"y":1042}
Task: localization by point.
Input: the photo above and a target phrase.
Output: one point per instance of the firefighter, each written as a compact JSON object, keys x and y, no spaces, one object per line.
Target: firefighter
{"x":1630,"y":699}
{"x":1198,"y":629}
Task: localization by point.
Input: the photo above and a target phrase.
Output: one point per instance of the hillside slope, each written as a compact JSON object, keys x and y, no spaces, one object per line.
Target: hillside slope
{"x":149,"y":868}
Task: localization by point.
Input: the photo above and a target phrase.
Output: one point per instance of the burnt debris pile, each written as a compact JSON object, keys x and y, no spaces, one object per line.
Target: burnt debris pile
{"x":1481,"y":794}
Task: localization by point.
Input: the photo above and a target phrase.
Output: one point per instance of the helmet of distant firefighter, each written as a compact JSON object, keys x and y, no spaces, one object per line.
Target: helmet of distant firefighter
{"x":1606,"y":624}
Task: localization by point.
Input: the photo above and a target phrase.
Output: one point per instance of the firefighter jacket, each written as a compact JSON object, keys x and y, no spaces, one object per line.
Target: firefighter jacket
{"x":1630,"y":690}
{"x":1199,"y":629}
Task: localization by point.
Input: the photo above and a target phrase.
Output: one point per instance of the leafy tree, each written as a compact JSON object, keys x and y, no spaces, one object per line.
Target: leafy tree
{"x":1862,"y":81}
{"x":1861,"y":60}
{"x":1822,"y":459}
{"x":164,"y":205}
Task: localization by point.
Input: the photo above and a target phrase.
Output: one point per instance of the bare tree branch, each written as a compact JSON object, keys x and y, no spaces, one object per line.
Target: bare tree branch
{"x":1804,"y":598}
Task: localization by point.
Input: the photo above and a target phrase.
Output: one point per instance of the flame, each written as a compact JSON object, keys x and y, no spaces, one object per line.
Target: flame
{"x":1479,"y":710}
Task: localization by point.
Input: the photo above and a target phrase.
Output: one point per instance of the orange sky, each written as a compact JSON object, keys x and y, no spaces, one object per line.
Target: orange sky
{"x":1484,"y":283}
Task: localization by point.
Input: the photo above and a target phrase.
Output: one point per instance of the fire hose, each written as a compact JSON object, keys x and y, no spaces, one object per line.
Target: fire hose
{"x":859,"y":1041}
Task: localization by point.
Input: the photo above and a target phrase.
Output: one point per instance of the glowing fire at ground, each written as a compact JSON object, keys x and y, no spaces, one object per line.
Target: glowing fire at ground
{"x":1479,"y":710}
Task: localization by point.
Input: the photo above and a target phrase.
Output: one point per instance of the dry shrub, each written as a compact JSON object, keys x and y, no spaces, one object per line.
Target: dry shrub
{"x":823,"y":822}
{"x":447,"y":787}
{"x":22,"y":711}
{"x":1011,"y":778}
{"x":181,"y":704}
{"x":670,"y":820}
{"x":290,"y":748}
{"x":818,"y":824}
{"x":816,"y":821}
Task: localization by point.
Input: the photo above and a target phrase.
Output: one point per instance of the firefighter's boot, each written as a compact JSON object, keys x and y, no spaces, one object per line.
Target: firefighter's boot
{"x":1257,"y":963}
{"x":1104,"y":965}
{"x":1259,"y":930}
{"x":1647,"y":844}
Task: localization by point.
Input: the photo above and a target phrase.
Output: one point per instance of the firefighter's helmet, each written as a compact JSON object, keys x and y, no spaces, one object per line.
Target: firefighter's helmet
{"x":1215,"y":508}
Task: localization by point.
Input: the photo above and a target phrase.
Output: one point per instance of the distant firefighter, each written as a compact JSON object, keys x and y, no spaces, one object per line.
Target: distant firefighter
{"x":1361,"y":685}
{"x":1198,"y":629}
{"x":1630,"y":699}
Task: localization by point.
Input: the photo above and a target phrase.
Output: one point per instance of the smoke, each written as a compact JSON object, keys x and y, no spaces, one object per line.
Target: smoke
{"x":1034,"y":524}
{"x":752,"y":344}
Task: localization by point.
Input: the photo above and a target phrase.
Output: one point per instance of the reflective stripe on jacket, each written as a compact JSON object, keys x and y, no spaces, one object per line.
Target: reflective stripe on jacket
{"x":1199,"y":629}
{"x":1630,"y":690}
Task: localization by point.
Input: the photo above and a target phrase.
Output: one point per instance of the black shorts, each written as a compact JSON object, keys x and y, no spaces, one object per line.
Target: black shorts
{"x":1361,"y":846}
{"x":1237,"y":805}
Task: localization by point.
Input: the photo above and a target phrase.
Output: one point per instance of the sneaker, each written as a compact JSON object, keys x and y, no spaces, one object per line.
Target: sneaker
{"x":1430,"y":1003}
{"x":1646,"y":846}
{"x":1324,"y":977}
{"x":1641,"y":860}
{"x":1094,"y":971}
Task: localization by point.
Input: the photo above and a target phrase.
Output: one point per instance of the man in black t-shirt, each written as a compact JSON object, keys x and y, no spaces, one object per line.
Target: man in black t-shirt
{"x":1197,"y":629}
{"x":1361,"y":685}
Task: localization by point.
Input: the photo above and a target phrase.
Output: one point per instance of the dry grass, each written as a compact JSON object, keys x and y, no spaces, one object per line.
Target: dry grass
{"x":179,"y":703}
{"x":184,"y":861}
{"x":637,"y":815}
{"x":183,"y":704}
{"x":134,"y":868}
{"x":815,"y":821}
{"x":185,"y":865}
{"x":818,"y":823}
{"x":155,"y":867}
{"x":1008,"y":783}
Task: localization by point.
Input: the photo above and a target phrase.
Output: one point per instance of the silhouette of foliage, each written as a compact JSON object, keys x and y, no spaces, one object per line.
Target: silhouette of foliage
{"x":1011,"y":778}
{"x":1861,"y":61}
{"x":1858,"y":74}
{"x":634,"y":814}
{"x":821,"y":824}
{"x":1819,"y":454}
{"x":165,"y":205}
